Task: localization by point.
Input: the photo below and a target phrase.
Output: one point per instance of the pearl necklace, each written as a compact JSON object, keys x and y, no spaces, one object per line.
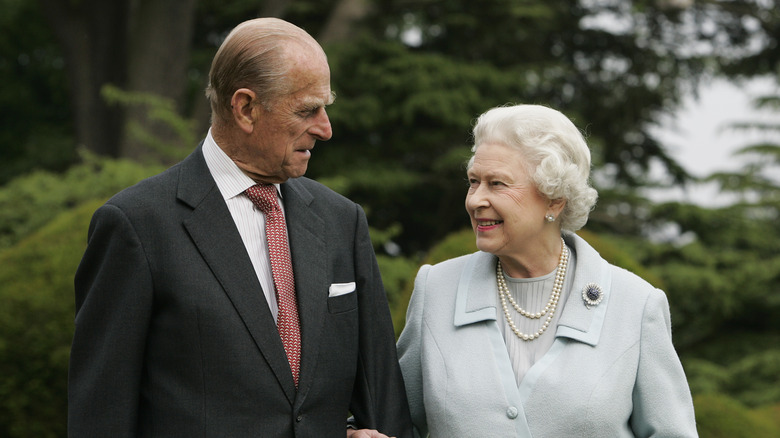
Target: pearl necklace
{"x":549,"y":309}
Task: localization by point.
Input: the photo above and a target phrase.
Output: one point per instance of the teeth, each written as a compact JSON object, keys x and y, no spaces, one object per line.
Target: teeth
{"x":489,"y":223}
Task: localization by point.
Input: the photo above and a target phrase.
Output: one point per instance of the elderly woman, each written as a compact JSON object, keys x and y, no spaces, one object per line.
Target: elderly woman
{"x":536,"y":335}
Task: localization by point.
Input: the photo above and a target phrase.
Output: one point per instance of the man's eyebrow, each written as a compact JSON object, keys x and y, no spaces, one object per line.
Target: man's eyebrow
{"x":313,"y":102}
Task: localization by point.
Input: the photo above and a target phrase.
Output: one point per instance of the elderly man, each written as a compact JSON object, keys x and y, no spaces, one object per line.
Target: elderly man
{"x":229,"y":295}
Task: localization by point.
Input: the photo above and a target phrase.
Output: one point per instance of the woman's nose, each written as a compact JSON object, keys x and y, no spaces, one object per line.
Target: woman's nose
{"x":476,"y":198}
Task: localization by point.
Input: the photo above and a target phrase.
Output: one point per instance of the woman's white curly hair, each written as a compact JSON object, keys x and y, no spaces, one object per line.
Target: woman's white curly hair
{"x":558,"y":157}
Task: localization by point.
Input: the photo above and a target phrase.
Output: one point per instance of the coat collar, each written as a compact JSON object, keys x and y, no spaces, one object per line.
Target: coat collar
{"x":577,"y":321}
{"x":477,"y":300}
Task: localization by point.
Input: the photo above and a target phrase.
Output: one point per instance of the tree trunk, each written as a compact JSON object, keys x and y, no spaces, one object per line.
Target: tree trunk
{"x":341,"y":22}
{"x":158,"y":59}
{"x":92,"y":34}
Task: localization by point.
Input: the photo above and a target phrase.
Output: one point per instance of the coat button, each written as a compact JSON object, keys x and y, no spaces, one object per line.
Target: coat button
{"x":299,"y":418}
{"x":511,"y":412}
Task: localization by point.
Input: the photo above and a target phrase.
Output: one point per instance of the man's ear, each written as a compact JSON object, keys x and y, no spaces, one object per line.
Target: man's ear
{"x":243,"y":105}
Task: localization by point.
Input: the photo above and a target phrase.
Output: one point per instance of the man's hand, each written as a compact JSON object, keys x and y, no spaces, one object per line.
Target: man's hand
{"x":365,"y":433}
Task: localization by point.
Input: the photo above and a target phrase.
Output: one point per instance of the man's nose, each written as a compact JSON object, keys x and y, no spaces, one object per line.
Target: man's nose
{"x":321,"y":128}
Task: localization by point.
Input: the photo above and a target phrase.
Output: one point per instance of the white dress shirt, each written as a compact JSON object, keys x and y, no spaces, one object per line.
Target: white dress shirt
{"x":250,"y":220}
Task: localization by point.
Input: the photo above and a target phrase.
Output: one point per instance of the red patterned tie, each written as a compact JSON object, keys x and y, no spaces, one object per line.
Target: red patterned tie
{"x":264,"y":197}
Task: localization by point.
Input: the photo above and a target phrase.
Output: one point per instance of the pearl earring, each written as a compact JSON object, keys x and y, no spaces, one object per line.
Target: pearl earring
{"x":549,"y":217}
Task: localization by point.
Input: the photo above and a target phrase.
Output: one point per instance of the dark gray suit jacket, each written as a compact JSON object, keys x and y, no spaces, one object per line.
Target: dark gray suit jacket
{"x":174,"y":337}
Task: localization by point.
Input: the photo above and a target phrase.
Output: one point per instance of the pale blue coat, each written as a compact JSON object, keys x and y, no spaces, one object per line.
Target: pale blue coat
{"x":611,"y":372}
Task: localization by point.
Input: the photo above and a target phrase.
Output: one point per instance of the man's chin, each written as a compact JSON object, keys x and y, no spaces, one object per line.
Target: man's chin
{"x":296,"y":171}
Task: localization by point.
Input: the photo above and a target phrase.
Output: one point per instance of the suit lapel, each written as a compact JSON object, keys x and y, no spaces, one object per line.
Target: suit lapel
{"x":308,"y":251}
{"x":213,"y":231}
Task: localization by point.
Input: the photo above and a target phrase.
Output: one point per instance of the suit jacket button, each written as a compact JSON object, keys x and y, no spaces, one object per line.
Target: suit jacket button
{"x":511,"y":412}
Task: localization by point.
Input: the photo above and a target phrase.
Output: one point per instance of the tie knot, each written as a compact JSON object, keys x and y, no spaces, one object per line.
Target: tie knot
{"x":264,"y":197}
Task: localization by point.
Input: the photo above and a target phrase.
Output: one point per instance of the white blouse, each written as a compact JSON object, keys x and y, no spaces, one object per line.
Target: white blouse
{"x":532,"y":295}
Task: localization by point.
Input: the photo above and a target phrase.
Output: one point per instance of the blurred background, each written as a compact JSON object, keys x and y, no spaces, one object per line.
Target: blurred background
{"x":96,"y":95}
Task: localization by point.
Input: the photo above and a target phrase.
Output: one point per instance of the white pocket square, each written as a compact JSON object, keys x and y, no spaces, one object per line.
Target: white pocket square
{"x":337,"y":289}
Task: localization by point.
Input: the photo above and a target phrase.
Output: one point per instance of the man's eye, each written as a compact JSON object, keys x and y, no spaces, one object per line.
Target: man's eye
{"x":309,"y":112}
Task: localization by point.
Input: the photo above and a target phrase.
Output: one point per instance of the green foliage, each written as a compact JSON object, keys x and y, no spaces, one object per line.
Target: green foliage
{"x":753,"y":380}
{"x":380,"y":180}
{"x":396,"y":269}
{"x":397,"y":274}
{"x":705,"y":377}
{"x":721,"y":278}
{"x":159,"y":112}
{"x":615,"y":251}
{"x":718,"y":416}
{"x":30,"y":201}
{"x":454,"y":245}
{"x":562,"y":54}
{"x":724,"y":279}
{"x":408,"y":102}
{"x":35,"y":130}
{"x":401,"y":127}
{"x":772,"y":412}
{"x":36,"y":325}
{"x":723,"y":274}
{"x":407,"y":105}
{"x":401,"y":135}
{"x":757,"y":183}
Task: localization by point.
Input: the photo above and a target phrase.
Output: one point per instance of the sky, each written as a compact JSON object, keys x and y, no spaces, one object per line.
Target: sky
{"x":697,"y":136}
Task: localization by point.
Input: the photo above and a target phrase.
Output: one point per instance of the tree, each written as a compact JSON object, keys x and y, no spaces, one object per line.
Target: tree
{"x":410,"y":88}
{"x":35,"y":129}
{"x":131,"y":44}
{"x":412,"y":76}
{"x":722,"y":274}
{"x":93,"y":38}
{"x":36,"y":327}
{"x":144,"y":46}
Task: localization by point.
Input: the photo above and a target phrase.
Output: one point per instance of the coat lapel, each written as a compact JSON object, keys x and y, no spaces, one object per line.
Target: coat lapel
{"x":476,"y":301}
{"x":472,"y":303}
{"x":213,"y":231}
{"x":308,"y":251}
{"x":577,"y":321}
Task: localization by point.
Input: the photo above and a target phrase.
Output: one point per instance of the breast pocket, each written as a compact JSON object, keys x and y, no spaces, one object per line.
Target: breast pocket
{"x":342,"y":303}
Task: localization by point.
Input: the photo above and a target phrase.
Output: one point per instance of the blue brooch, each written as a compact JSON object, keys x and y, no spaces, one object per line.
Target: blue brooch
{"x":592,"y":295}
